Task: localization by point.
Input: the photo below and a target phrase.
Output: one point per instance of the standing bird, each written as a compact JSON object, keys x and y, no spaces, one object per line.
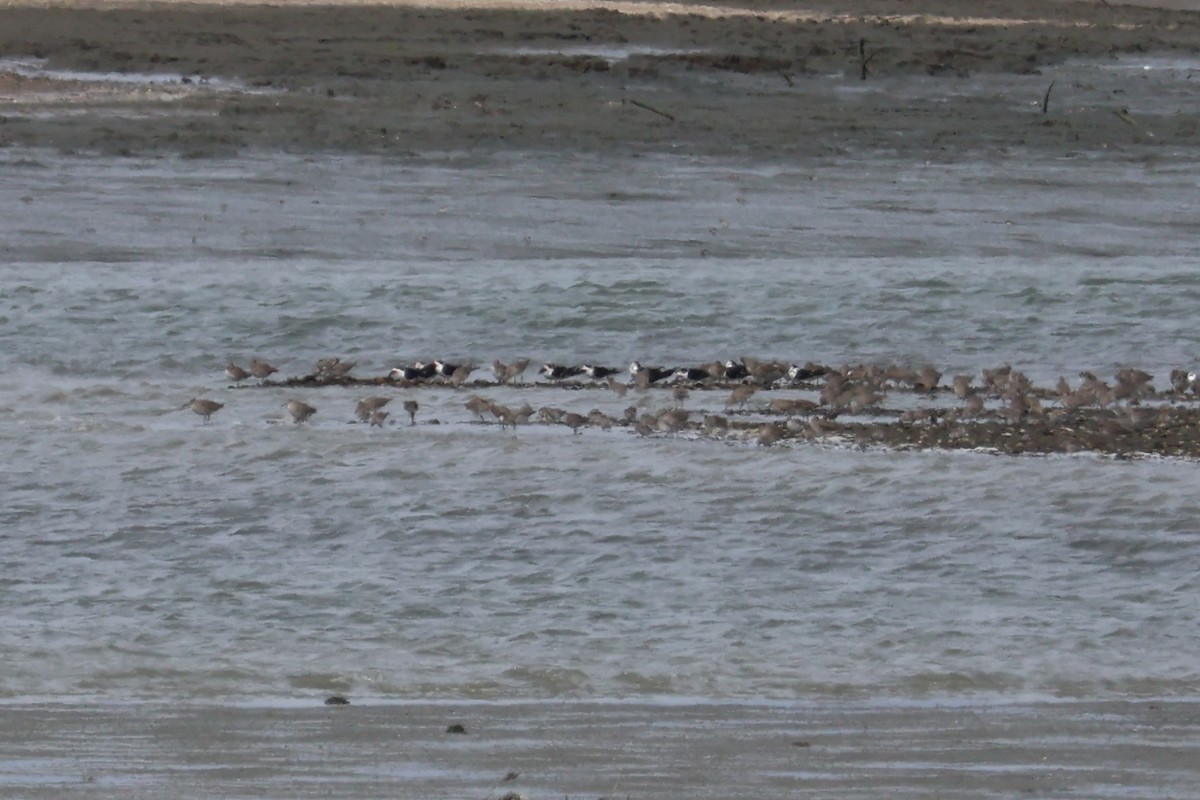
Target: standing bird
{"x":236,"y":373}
{"x":261,"y":369}
{"x":740,"y":395}
{"x":205,"y":408}
{"x":411,"y":407}
{"x":300,"y":411}
{"x":368,"y":406}
{"x":377,"y":418}
{"x":514,"y":371}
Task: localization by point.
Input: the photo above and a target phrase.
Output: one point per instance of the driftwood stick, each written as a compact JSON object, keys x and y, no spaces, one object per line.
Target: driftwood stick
{"x":864,"y":60}
{"x":1046,"y":99}
{"x":651,"y":109}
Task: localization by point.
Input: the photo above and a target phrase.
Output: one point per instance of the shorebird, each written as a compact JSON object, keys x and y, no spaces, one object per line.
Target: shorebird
{"x":769,"y":434}
{"x":735,"y":370}
{"x":368,"y":406}
{"x":739,"y":396}
{"x":325,"y":368}
{"x":927,"y":379}
{"x":236,"y":373}
{"x":411,"y":407}
{"x":693,"y":374}
{"x":619,"y":389}
{"x":205,"y":408}
{"x":673,"y":420}
{"x":649,"y":374}
{"x":797,"y":373}
{"x":447,"y":370}
{"x":558,"y":372}
{"x":598,"y":373}
{"x":475,"y":404}
{"x":574,"y":422}
{"x":261,"y":369}
{"x":598,"y":419}
{"x":416,"y":372}
{"x":515,"y":370}
{"x":377,"y":418}
{"x":300,"y":411}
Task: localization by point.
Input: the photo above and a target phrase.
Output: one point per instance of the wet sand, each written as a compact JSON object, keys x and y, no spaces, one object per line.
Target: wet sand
{"x":589,"y":750}
{"x":763,"y":79}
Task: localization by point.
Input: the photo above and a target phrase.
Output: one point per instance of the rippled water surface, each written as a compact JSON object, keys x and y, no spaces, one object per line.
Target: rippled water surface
{"x":147,"y":554}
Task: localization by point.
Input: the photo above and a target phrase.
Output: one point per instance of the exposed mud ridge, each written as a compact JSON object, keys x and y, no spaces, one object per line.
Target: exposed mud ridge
{"x":776,"y":404}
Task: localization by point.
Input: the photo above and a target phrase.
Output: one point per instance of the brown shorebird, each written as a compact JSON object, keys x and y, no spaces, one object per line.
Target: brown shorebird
{"x":673,"y":420}
{"x":769,"y":434}
{"x":509,"y":373}
{"x":411,"y":407}
{"x":300,"y":411}
{"x":475,"y":404}
{"x":574,"y":421}
{"x":236,"y":373}
{"x":740,"y":395}
{"x":515,"y":370}
{"x":619,"y":389}
{"x":368,"y":406}
{"x":377,"y":418}
{"x":205,"y":408}
{"x":598,"y":419}
{"x":261,"y":369}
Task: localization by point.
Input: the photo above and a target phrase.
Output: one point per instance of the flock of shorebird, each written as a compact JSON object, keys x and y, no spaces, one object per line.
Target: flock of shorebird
{"x":1003,"y":393}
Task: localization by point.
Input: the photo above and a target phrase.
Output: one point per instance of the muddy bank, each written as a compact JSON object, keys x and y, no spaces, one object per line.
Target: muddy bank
{"x":760,"y":79}
{"x":579,"y":749}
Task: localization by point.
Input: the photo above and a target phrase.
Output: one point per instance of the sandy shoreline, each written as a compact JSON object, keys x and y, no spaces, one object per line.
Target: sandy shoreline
{"x":1134,"y":749}
{"x":757,"y":79}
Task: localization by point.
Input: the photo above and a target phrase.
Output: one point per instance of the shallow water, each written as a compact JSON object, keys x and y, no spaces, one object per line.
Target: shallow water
{"x":146,"y":554}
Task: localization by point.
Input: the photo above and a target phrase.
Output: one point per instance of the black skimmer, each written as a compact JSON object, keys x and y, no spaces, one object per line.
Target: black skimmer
{"x":558,"y":372}
{"x":598,"y":373}
{"x":797,"y":373}
{"x":649,"y":374}
{"x":693,"y":374}
{"x":417,"y":372}
{"x":445,"y":369}
{"x":735,"y":370}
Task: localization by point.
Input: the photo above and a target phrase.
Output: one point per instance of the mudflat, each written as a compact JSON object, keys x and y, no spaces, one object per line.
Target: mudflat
{"x":763,"y":79}
{"x":582,"y":749}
